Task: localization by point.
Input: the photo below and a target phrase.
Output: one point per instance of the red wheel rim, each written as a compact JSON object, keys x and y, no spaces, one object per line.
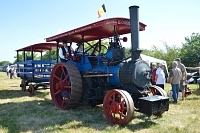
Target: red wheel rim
{"x":23,"y":85}
{"x":65,"y":85}
{"x":118,"y":107}
{"x":31,"y":89}
{"x":156,"y":90}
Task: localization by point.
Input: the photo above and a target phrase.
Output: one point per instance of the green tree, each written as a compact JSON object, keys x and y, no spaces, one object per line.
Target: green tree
{"x":2,"y":63}
{"x":190,"y":52}
{"x":28,"y":54}
{"x":127,"y":52}
{"x":169,"y":53}
{"x":50,"y":55}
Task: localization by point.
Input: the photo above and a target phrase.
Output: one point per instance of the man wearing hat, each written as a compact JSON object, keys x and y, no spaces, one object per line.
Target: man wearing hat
{"x":160,"y":76}
{"x":184,"y":77}
{"x":153,"y":73}
{"x":65,"y":52}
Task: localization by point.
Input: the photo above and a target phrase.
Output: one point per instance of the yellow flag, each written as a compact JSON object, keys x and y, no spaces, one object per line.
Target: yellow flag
{"x":101,"y":11}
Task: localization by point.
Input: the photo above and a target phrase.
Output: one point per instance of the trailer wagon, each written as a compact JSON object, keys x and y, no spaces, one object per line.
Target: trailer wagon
{"x":35,"y":73}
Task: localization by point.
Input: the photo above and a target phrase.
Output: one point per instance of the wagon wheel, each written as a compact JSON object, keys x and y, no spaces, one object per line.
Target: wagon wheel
{"x":156,"y":90}
{"x":31,"y":89}
{"x":23,"y":85}
{"x":118,"y":107}
{"x":65,"y":85}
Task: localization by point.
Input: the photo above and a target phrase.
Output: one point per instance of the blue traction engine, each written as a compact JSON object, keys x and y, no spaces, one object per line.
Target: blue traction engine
{"x":120,"y":83}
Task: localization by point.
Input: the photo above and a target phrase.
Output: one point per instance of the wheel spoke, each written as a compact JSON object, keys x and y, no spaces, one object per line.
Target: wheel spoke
{"x":65,"y":79}
{"x":55,"y":76}
{"x":111,"y":99}
{"x":122,"y":116}
{"x":67,"y":87}
{"x":122,"y":102}
{"x":57,"y":92}
{"x":63,"y":102}
{"x":63,"y":71}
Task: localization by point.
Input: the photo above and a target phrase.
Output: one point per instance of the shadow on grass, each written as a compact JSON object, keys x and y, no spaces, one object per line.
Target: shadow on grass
{"x":194,"y":96}
{"x":17,"y":117}
{"x":138,"y":126}
{"x":196,"y":91}
{"x":5,"y":94}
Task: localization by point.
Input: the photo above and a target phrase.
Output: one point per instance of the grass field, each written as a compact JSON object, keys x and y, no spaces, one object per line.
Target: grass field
{"x":20,"y":112}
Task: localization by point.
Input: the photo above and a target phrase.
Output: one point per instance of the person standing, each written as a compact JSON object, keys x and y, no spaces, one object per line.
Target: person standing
{"x":7,"y":70}
{"x":11,"y":72}
{"x":184,"y":77}
{"x":175,"y":76}
{"x":160,"y":76}
{"x":15,"y":72}
{"x":153,"y":73}
{"x":65,"y":52}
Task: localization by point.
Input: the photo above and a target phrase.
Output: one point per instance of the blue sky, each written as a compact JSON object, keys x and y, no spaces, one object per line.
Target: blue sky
{"x":26,"y":22}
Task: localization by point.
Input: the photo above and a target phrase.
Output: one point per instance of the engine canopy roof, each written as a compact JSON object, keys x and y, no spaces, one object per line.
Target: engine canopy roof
{"x":39,"y":47}
{"x":95,"y":31}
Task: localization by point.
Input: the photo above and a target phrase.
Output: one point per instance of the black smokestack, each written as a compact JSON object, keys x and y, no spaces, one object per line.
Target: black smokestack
{"x":134,"y":24}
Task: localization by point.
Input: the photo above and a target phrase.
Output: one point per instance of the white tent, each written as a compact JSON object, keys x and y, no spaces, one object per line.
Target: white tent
{"x":150,"y":59}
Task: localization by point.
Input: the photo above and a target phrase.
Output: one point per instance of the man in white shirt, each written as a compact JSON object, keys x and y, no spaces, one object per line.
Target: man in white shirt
{"x":79,"y":49}
{"x":160,"y":76}
{"x":65,"y":52}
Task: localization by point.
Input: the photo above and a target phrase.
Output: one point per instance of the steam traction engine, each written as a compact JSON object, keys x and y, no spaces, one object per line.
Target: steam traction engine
{"x":108,"y":78}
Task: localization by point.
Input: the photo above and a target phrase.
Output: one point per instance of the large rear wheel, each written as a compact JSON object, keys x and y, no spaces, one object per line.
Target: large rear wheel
{"x":65,"y":85}
{"x":118,"y":106}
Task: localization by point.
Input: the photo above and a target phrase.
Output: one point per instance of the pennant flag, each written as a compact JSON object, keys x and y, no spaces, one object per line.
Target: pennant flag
{"x":101,"y":11}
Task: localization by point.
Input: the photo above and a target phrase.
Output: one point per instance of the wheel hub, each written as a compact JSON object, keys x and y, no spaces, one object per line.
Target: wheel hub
{"x":60,"y":85}
{"x":115,"y":108}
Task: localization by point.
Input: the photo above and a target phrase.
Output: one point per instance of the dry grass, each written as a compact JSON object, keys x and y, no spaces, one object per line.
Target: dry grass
{"x":20,"y":112}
